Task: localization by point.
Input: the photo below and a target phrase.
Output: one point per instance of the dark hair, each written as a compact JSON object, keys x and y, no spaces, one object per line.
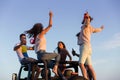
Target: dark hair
{"x":77,"y":34}
{"x":86,"y":17}
{"x":21,"y":35}
{"x":62,"y":44}
{"x":35,"y":30}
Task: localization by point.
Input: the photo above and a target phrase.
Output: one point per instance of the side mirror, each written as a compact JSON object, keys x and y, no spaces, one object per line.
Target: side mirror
{"x":73,"y":52}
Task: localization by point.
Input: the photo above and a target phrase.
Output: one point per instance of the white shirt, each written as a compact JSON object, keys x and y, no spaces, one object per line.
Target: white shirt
{"x":40,"y":44}
{"x":85,"y":34}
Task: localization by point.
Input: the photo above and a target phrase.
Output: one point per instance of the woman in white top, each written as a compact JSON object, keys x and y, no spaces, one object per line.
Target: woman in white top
{"x":38,"y":33}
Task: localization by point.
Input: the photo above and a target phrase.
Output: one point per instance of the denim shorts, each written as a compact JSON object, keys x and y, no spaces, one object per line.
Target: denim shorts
{"x":85,"y":54}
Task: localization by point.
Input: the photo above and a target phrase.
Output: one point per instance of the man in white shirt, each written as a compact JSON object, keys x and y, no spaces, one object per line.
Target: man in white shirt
{"x":21,"y":50}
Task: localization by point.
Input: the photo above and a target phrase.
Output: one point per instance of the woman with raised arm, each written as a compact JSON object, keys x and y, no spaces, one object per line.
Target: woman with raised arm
{"x":38,"y":32}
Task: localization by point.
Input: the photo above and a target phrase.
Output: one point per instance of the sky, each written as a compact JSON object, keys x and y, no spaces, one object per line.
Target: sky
{"x":17,"y":16}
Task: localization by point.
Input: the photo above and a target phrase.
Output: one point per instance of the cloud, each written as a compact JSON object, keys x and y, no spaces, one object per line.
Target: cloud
{"x":113,"y":42}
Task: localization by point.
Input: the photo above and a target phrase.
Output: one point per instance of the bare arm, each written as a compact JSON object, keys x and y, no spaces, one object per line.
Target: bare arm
{"x":17,"y":47}
{"x":30,"y":48}
{"x":50,"y":23}
{"x":69,"y":56}
{"x":19,"y":52}
{"x":98,"y":29}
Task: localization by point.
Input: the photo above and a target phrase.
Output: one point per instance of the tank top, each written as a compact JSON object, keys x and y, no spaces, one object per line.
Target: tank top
{"x":24,"y":48}
{"x":40,"y":44}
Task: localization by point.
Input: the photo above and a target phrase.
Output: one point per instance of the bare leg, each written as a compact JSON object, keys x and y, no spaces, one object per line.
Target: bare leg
{"x":55,"y":69}
{"x":62,"y":67}
{"x":33,"y":71}
{"x":92,"y":71}
{"x":38,"y":70}
{"x":88,"y":73}
{"x":83,"y":69}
